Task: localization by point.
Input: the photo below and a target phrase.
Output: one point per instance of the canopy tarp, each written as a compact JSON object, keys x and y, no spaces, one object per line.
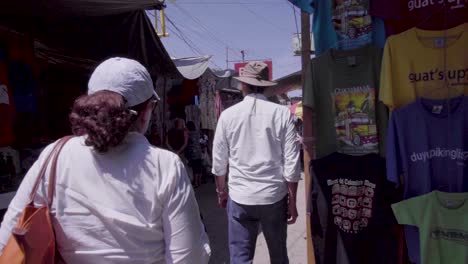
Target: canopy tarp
{"x":193,"y":67}
{"x":91,"y":29}
{"x":78,"y":8}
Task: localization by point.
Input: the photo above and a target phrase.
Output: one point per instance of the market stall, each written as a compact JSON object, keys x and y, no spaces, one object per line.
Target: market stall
{"x":387,"y":188}
{"x":47,"y":52}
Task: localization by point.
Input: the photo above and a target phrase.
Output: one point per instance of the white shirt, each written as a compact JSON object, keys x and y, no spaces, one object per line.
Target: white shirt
{"x":133,"y":204}
{"x":258,"y":140}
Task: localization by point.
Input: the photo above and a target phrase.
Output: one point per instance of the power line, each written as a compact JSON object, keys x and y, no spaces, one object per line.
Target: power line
{"x":201,"y":38}
{"x":231,"y":3}
{"x":208,"y":30}
{"x":262,"y":17}
{"x":178,"y":33}
{"x":295,"y":18}
{"x":189,"y":43}
{"x":211,"y":35}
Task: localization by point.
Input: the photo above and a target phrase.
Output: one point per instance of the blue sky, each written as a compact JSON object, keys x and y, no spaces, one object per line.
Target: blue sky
{"x":262,"y":28}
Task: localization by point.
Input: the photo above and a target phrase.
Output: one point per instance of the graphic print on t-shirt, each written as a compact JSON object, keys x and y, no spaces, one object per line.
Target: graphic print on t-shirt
{"x":355,"y":122}
{"x":352,"y":203}
{"x":414,"y":5}
{"x":435,"y":77}
{"x":352,"y":22}
{"x":454,"y":235}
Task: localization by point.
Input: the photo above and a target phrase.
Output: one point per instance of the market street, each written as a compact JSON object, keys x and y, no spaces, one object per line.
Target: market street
{"x":216,"y":224}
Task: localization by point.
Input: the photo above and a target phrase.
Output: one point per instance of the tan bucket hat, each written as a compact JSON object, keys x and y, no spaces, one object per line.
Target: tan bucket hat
{"x":255,"y":73}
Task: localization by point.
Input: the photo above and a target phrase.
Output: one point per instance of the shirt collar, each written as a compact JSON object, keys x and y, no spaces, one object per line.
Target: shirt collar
{"x":257,"y":96}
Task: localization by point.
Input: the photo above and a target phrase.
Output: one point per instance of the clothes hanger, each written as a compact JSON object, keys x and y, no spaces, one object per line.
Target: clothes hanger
{"x":446,"y":91}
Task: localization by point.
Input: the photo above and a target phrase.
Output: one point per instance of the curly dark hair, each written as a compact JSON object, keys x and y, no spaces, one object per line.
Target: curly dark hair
{"x":103,"y":117}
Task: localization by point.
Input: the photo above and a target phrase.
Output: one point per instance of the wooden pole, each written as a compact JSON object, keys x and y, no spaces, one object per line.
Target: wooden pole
{"x":306,"y":44}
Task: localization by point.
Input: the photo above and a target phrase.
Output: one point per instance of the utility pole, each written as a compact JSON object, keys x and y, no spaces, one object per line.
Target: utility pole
{"x":305,"y":46}
{"x":243,"y":55}
{"x":227,"y":58}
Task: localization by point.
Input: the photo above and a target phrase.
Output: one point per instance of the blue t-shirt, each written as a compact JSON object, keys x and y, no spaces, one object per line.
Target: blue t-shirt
{"x":428,"y":146}
{"x":304,"y":5}
{"x":345,"y":26}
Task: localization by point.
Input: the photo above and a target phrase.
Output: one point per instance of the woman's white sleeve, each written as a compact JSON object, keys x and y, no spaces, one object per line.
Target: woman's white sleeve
{"x":184,"y":234}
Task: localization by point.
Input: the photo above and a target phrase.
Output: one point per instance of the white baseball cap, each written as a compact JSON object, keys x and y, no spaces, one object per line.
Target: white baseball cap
{"x":123,"y":76}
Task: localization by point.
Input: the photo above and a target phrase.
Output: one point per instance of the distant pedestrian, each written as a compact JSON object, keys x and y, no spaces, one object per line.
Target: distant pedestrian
{"x":117,"y":199}
{"x":177,"y":137}
{"x":193,"y":153}
{"x":256,"y":141}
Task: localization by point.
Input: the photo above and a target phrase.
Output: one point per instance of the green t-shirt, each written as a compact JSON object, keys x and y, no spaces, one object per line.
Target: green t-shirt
{"x":342,"y":88}
{"x":442,"y":219}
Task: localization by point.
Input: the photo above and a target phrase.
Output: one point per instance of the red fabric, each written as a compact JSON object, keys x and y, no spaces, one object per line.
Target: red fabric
{"x":185,"y":95}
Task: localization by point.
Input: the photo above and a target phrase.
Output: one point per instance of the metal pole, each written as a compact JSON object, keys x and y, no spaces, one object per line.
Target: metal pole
{"x":306,"y":44}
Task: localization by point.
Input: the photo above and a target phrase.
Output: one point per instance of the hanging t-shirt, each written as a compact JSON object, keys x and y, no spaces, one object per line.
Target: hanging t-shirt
{"x":358,"y":196}
{"x":428,"y":149}
{"x":342,"y":91}
{"x":413,"y":65}
{"x":345,"y":25}
{"x":304,"y":5}
{"x":442,"y":219}
{"x":401,"y":15}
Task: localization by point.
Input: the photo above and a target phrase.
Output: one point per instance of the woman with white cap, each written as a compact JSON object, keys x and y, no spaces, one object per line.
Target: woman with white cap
{"x":117,"y":199}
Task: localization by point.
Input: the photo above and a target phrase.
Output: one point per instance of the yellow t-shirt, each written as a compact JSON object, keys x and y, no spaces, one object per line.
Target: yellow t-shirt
{"x":413,"y":65}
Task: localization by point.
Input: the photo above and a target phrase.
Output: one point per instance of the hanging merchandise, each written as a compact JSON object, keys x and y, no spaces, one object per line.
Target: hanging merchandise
{"x":401,"y":15}
{"x":427,"y":146}
{"x":342,"y":91}
{"x":207,"y":84}
{"x":304,"y":5}
{"x":414,"y":62}
{"x":192,"y":113}
{"x":345,"y":24}
{"x":442,"y":220}
{"x":357,"y":198}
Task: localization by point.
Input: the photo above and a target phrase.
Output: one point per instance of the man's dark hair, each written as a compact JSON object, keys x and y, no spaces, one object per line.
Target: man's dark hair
{"x":256,"y":89}
{"x":191,"y":126}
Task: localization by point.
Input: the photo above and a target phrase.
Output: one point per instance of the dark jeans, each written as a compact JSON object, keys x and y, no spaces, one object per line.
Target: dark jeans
{"x":244,"y":221}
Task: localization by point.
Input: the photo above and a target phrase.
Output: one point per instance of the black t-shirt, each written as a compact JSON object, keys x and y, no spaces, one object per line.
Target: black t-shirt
{"x":358,"y":197}
{"x":401,"y":15}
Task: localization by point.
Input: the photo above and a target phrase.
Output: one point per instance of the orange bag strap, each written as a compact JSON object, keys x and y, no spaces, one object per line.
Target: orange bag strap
{"x":53,"y":155}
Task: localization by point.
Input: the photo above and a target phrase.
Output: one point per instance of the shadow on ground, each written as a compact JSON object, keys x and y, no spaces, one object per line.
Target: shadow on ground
{"x":216,"y":223}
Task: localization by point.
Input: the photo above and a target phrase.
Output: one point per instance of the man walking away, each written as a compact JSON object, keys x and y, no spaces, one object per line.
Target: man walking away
{"x":256,"y":140}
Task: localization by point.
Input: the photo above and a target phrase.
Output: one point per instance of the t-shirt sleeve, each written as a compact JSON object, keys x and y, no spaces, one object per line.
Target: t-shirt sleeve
{"x":386,"y":80}
{"x":290,"y":146}
{"x":393,"y":151}
{"x":220,"y":150}
{"x":308,"y":97}
{"x":408,"y":212}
